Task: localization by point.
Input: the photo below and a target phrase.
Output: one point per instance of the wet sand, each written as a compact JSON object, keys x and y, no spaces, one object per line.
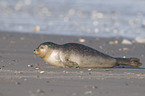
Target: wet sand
{"x":24,"y":74}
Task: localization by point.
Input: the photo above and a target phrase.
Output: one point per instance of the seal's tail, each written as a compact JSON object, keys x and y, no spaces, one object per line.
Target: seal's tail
{"x":134,"y":62}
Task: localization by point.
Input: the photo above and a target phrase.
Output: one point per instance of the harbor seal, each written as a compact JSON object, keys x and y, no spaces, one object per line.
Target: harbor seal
{"x":75,"y":55}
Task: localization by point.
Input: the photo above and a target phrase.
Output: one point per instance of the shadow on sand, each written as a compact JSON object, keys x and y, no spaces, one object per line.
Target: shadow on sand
{"x":128,"y":67}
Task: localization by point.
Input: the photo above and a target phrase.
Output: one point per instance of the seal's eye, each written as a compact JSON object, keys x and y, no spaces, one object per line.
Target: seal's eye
{"x":41,"y":47}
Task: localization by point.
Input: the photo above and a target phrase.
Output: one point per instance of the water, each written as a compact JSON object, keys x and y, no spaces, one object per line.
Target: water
{"x":102,"y":18}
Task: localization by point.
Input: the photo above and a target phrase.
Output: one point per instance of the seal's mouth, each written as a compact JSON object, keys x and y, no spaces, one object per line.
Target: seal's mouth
{"x":35,"y":52}
{"x":38,"y":52}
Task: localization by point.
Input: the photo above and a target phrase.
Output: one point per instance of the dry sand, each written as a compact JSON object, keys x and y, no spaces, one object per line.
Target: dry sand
{"x":24,"y":74}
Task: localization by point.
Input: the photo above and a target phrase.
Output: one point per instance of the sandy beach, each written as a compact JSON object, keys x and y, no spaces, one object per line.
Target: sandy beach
{"x":24,"y":74}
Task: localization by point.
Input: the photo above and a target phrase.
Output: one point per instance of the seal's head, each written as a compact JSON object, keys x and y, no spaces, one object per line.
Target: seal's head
{"x":44,"y":49}
{"x":41,"y":51}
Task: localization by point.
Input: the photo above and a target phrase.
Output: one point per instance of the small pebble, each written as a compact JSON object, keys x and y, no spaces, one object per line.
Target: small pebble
{"x":113,"y":42}
{"x":42,"y":72}
{"x":101,"y":47}
{"x":89,"y":69}
{"x":18,"y":83}
{"x":140,"y":39}
{"x":15,"y":60}
{"x":25,"y":79}
{"x":39,"y":91}
{"x":30,"y":65}
{"x":125,"y":49}
{"x":126,"y":42}
{"x":22,"y":38}
{"x":97,"y":38}
{"x":81,"y":40}
{"x":66,"y":72}
{"x":120,"y":49}
{"x":88,"y":92}
{"x":36,"y":68}
{"x":36,"y":28}
{"x":20,"y":72}
{"x":94,"y":87}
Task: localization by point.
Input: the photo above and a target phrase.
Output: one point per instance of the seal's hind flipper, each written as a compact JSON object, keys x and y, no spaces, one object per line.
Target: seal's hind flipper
{"x":134,"y":62}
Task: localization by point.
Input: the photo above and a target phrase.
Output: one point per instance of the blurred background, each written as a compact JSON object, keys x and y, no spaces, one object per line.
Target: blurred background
{"x":103,"y":18}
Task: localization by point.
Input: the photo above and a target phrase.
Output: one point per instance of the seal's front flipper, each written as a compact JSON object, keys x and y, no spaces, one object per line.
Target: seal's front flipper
{"x":70,"y":64}
{"x":134,"y":62}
